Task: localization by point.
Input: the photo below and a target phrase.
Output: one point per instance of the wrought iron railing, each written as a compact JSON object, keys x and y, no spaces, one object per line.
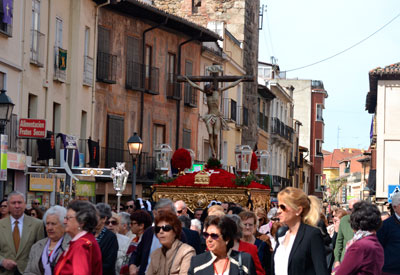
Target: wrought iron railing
{"x":190,"y":96}
{"x":60,"y":66}
{"x":173,"y":87}
{"x":151,"y":79}
{"x":37,"y":48}
{"x":106,"y":70}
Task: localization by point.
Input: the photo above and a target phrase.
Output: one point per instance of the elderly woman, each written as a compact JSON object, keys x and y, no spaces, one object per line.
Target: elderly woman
{"x":220,"y":234}
{"x":300,"y":250}
{"x":107,"y":240}
{"x":364,"y":253}
{"x":83,"y":255}
{"x":173,"y":256}
{"x":4,"y":209}
{"x":113,"y":225}
{"x":45,"y":253}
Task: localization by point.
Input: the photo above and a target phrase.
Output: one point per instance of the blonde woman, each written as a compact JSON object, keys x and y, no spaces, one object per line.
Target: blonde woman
{"x":301,"y":249}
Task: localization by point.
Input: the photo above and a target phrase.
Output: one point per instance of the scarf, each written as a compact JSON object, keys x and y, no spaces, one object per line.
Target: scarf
{"x":358,"y":236}
{"x":48,"y":261}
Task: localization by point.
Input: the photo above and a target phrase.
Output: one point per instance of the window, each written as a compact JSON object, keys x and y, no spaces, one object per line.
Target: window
{"x":133,"y":63}
{"x":87,"y":61}
{"x":37,"y":38}
{"x":57,"y":128}
{"x":319,"y":112}
{"x":187,"y":138}
{"x":151,"y":73}
{"x":59,"y":32}
{"x":318,"y":147}
{"x":172,"y":86}
{"x":115,"y":140}
{"x":82,"y":138}
{"x":347,"y":167}
{"x":158,"y":135}
{"x":2,"y":81}
{"x":87,"y":40}
{"x":32,"y":106}
{"x":6,"y":16}
{"x":106,"y":62}
{"x":190,"y":98}
{"x":317,"y":183}
{"x":60,"y":60}
{"x":195,"y":6}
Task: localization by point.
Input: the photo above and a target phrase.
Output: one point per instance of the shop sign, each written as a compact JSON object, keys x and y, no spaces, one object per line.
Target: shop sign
{"x":85,"y":188}
{"x":3,"y":157}
{"x":32,"y":128}
{"x":41,"y":182}
{"x":16,"y":161}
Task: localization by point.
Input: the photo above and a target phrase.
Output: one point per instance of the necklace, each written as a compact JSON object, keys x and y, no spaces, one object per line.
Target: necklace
{"x":225,"y":267}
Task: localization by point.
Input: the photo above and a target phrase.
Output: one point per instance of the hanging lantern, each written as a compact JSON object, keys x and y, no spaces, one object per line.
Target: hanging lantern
{"x":119,"y":176}
{"x":262,"y":160}
{"x":243,"y":158}
{"x":163,"y":157}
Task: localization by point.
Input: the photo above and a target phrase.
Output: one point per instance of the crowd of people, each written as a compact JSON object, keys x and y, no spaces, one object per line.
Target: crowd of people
{"x":295,"y":236}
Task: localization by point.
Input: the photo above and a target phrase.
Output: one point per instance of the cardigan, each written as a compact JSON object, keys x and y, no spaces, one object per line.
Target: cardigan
{"x":389,"y":237}
{"x":175,"y":260}
{"x":203,"y":264}
{"x":363,"y":257}
{"x":307,"y":256}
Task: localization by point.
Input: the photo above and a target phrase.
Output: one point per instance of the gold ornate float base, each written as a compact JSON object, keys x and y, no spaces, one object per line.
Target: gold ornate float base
{"x":200,"y":197}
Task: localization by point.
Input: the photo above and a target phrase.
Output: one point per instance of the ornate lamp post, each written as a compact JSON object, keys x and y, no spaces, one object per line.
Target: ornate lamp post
{"x":135,"y":145}
{"x":243,"y":158}
{"x":119,"y":176}
{"x":6,"y":108}
{"x":163,"y":158}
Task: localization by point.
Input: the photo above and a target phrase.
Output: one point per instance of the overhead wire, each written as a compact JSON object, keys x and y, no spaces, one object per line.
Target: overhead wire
{"x":347,"y":49}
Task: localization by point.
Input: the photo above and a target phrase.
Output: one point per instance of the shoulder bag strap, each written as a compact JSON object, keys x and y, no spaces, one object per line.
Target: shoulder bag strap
{"x":240,"y":264}
{"x":173,"y":258}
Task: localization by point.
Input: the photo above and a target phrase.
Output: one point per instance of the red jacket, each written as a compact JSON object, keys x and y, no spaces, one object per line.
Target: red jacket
{"x":83,"y":257}
{"x":252,"y":250}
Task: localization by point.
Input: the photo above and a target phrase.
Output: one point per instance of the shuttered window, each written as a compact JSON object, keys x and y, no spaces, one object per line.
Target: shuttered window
{"x":187,"y":138}
{"x":115,"y":140}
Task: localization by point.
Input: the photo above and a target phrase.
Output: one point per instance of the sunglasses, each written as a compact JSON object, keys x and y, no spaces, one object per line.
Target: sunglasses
{"x":213,"y":236}
{"x":179,"y":211}
{"x":130,"y":206}
{"x":282,"y":207}
{"x":3,"y":206}
{"x":111,"y":222}
{"x":275,"y":219}
{"x":35,"y":203}
{"x":165,"y":228}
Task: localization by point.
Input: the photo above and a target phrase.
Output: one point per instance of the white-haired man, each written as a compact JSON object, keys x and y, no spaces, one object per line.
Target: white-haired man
{"x":181,"y":208}
{"x":389,"y":237}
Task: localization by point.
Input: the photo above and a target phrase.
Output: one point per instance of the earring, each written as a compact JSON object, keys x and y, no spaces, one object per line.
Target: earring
{"x":297,"y":214}
{"x":79,"y":228}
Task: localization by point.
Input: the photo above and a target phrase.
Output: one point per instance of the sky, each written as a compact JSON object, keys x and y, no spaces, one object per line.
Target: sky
{"x":298,"y":33}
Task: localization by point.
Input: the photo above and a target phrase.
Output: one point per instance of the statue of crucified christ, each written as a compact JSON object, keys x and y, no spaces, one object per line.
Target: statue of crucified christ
{"x":214,"y":119}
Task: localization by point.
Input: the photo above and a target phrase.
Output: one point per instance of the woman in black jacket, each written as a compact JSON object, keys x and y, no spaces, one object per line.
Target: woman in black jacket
{"x":220,"y":233}
{"x":300,"y":250}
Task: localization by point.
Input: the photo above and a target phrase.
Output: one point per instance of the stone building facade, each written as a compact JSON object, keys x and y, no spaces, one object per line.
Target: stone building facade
{"x":241,"y":19}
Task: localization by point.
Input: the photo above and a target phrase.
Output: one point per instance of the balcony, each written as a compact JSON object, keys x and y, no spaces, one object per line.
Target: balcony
{"x":263,"y":121}
{"x":88,"y":71}
{"x":230,"y":109}
{"x":37,"y":48}
{"x":146,"y":169}
{"x":173,"y":91}
{"x":60,"y":64}
{"x":190,"y":96}
{"x":284,"y":131}
{"x":152,"y":75}
{"x":106,"y":68}
{"x":134,"y":77}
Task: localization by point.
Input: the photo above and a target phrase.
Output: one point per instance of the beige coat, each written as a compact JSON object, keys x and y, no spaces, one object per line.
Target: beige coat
{"x":180,"y":262}
{"x":32,"y":231}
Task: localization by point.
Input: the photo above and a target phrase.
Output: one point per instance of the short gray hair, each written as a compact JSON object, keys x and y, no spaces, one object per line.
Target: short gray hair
{"x":125,"y":218}
{"x":196,"y":223}
{"x":104,"y":210}
{"x":163,"y":203}
{"x":239,"y":224}
{"x":396,"y":199}
{"x":58,"y":211}
{"x":15,"y":193}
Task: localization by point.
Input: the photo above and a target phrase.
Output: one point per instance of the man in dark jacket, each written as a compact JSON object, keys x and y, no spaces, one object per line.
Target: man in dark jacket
{"x":389,"y":237}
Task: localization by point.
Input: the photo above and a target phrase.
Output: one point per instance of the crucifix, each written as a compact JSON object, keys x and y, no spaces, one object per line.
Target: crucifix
{"x":214,"y":119}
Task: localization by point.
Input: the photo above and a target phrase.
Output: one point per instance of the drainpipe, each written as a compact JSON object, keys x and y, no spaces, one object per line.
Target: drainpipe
{"x":95,"y":65}
{"x":143,"y":74}
{"x":178,"y":102}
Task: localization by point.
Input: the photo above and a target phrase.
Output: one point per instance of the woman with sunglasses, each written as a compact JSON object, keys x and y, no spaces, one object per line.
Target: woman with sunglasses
{"x":4,"y":209}
{"x":173,"y":257}
{"x":220,"y":234}
{"x":301,"y":248}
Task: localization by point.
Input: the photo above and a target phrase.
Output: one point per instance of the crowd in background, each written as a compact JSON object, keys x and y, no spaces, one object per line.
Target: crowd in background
{"x":294,"y":236}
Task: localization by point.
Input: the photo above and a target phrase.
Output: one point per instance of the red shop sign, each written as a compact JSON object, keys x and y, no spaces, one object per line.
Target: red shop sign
{"x":32,"y":128}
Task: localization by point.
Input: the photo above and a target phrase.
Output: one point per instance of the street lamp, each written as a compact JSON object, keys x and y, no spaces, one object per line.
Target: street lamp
{"x":6,"y":108}
{"x":119,"y":176}
{"x":135,"y":145}
{"x":276,"y":187}
{"x":366,"y":191}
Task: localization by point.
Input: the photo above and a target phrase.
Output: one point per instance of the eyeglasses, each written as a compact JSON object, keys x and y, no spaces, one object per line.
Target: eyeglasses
{"x":179,"y":211}
{"x":282,"y":207}
{"x":165,"y":228}
{"x":111,"y":222}
{"x":275,"y":219}
{"x":260,"y":220}
{"x":69,"y":217}
{"x":213,"y":236}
